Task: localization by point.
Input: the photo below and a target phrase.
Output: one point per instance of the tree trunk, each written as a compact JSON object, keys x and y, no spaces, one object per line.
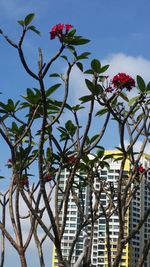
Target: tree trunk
{"x":40,"y":252}
{"x":23,"y":260}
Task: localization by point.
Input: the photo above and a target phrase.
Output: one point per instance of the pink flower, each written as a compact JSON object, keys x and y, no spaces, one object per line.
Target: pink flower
{"x":71,"y":159}
{"x":60,"y":26}
{"x":53,"y":35}
{"x":24,"y":182}
{"x":48,"y":177}
{"x":109,"y":89}
{"x":9,"y":161}
{"x":141,"y":169}
{"x":56,"y":31}
{"x":60,"y":30}
{"x":122,"y":80}
{"x":68,"y":27}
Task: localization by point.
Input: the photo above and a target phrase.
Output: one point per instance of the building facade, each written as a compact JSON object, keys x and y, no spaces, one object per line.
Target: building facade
{"x":139,"y":204}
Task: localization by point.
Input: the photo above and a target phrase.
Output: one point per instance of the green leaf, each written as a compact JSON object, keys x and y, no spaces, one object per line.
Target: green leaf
{"x":133,"y":100}
{"x":102,"y":78}
{"x":33,"y":28}
{"x":89,"y":71}
{"x":90,"y":85}
{"x":30,"y":94}
{"x":10,"y":105}
{"x":70,"y":127}
{"x":77,"y":40}
{"x":100,"y":153}
{"x":80,"y":66}
{"x":16,"y":104}
{"x":148,"y":88}
{"x":124,"y":96}
{"x":62,"y":130}
{"x":48,"y":153}
{"x":139,"y":117}
{"x":69,"y":107}
{"x":94,"y":138}
{"x":110,"y":156}
{"x":98,"y":89}
{"x":83,"y":55}
{"x":85,"y":159}
{"x":104,"y":68}
{"x":52,"y":89}
{"x":28,"y":19}
{"x":94,"y":89}
{"x":86,"y":98}
{"x":77,"y":107}
{"x":21,"y":22}
{"x":96,"y":65}
{"x":64,"y":57}
{"x":54,"y":75}
{"x":64,"y":137}
{"x":72,"y":50}
{"x":71,"y":33}
{"x":31,"y":97}
{"x":3,"y":112}
{"x":101,"y":112}
{"x":119,"y":148}
{"x":87,"y":140}
{"x":14,"y":127}
{"x":104,"y":164}
{"x":141,"y":83}
{"x":82,"y":42}
{"x":118,"y":159}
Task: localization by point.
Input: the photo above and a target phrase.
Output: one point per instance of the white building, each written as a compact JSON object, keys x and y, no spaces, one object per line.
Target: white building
{"x":138,"y":206}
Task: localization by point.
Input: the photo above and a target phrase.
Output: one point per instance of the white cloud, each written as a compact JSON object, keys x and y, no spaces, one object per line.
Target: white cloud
{"x":118,"y":63}
{"x":77,"y":84}
{"x":138,"y":145}
{"x":128,"y":64}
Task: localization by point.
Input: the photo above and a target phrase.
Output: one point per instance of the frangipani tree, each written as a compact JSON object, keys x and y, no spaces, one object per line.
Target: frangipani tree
{"x":41,"y":144}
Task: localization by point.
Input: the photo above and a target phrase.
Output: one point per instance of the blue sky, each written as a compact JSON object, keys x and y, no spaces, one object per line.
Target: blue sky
{"x":118,"y":30}
{"x":114,"y":27}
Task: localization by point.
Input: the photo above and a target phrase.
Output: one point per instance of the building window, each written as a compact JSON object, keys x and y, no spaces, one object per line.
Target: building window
{"x":104,"y":172}
{"x":111,"y":171}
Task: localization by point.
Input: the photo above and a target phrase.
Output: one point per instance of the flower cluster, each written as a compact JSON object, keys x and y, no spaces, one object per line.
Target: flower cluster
{"x":109,"y":89}
{"x":60,"y":30}
{"x":71,"y":159}
{"x":9,"y":163}
{"x":141,"y":169}
{"x":122,"y":80}
{"x":48,"y":177}
{"x":24,"y":182}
